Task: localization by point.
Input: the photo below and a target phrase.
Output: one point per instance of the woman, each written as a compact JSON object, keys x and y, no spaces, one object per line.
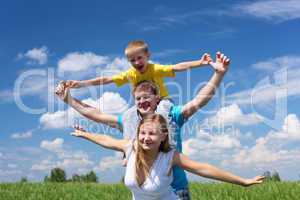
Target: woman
{"x":150,"y":160}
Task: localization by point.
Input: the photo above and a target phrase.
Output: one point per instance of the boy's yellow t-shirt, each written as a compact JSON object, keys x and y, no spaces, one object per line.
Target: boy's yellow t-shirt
{"x":154,"y":73}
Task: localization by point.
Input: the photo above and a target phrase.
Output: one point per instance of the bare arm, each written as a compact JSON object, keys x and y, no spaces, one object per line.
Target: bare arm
{"x":207,"y":92}
{"x":206,"y":59}
{"x":84,"y":109}
{"x":103,"y":140}
{"x":102,"y":80}
{"x":209,"y":171}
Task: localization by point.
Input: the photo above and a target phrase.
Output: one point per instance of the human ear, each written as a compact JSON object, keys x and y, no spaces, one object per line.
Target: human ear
{"x":148,"y":54}
{"x":157,"y":99}
{"x":163,"y":136}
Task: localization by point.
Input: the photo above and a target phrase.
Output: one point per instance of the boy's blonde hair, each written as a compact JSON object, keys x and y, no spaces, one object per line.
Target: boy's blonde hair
{"x":136,"y":45}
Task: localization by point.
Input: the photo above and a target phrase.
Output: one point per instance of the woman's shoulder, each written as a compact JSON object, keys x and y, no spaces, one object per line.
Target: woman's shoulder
{"x":131,"y":146}
{"x":169,"y":154}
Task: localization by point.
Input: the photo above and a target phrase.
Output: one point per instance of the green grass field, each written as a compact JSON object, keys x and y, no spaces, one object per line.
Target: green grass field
{"x":202,"y":191}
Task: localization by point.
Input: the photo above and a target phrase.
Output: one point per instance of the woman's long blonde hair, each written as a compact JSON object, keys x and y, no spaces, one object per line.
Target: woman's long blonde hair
{"x":141,"y":164}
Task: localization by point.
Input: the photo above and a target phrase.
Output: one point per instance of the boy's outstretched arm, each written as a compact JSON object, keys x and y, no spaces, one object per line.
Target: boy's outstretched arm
{"x":206,"y":93}
{"x":102,"y":80}
{"x":205,"y":59}
{"x":63,"y":92}
{"x":103,"y":140}
{"x":209,"y":171}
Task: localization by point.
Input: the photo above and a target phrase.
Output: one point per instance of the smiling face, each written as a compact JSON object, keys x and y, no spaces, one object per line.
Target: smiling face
{"x":139,"y":60}
{"x":150,"y":136}
{"x":145,"y":101}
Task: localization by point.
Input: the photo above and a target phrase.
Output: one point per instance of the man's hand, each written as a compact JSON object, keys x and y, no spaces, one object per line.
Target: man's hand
{"x":62,"y":91}
{"x":221,"y":64}
{"x":205,"y":59}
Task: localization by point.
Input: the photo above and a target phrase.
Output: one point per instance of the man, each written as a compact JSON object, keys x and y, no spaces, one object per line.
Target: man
{"x":147,"y":97}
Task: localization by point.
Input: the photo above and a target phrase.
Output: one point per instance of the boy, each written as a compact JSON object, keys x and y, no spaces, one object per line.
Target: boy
{"x":178,"y":114}
{"x":138,"y":55}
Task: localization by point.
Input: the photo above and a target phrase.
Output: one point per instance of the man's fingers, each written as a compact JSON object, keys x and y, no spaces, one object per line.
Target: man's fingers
{"x":222,"y":56}
{"x":62,"y":83}
{"x":60,"y":87}
{"x":227,"y":61}
{"x":218,"y":55}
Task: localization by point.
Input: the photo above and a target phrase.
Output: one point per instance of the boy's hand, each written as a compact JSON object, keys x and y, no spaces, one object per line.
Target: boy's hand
{"x":73,"y":84}
{"x":205,"y":59}
{"x":79,"y":131}
{"x":221,"y":64}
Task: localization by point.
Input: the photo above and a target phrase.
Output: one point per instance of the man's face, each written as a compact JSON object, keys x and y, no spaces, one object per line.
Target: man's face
{"x":146,"y":102}
{"x":139,"y":60}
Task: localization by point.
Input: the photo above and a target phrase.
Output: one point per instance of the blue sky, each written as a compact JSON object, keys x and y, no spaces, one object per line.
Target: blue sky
{"x":250,"y":126}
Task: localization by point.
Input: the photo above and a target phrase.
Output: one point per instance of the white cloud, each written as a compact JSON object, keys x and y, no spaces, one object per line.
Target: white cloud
{"x":289,"y":132}
{"x":36,"y":55}
{"x":69,"y":160}
{"x":1,"y":155}
{"x":233,"y":115}
{"x":273,"y":149}
{"x":77,"y":160}
{"x":278,"y":63}
{"x":6,"y":96}
{"x":109,"y":102}
{"x":44,"y":165}
{"x":12,"y":166}
{"x":118,"y":64}
{"x":291,"y":126}
{"x":286,"y":82}
{"x":165,"y":20}
{"x":27,"y":134}
{"x":54,"y":146}
{"x":5,"y":173}
{"x":75,"y":62}
{"x":271,"y":10}
{"x":110,"y":162}
{"x":32,"y":82}
{"x":258,"y":154}
{"x":54,"y":120}
{"x":208,"y":144}
{"x":168,"y":52}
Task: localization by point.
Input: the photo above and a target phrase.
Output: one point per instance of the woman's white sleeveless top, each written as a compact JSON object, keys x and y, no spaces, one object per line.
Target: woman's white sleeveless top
{"x":158,"y":184}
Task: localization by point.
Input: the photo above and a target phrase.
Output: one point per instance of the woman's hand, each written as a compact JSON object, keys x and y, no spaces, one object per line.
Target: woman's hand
{"x":79,"y":131}
{"x":255,"y":180}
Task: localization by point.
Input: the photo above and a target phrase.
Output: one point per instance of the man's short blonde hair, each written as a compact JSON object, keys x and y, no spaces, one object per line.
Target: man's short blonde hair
{"x":136,"y":45}
{"x":148,"y":86}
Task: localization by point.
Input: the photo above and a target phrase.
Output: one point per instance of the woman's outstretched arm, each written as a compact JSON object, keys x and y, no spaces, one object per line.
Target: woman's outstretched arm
{"x":209,"y":171}
{"x":103,"y":140}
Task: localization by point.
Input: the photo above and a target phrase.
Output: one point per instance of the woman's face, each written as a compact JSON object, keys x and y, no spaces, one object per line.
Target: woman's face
{"x":150,"y":136}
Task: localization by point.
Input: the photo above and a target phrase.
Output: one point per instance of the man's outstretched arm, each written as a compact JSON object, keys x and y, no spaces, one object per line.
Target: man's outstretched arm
{"x":86,"y":110}
{"x":206,"y":93}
